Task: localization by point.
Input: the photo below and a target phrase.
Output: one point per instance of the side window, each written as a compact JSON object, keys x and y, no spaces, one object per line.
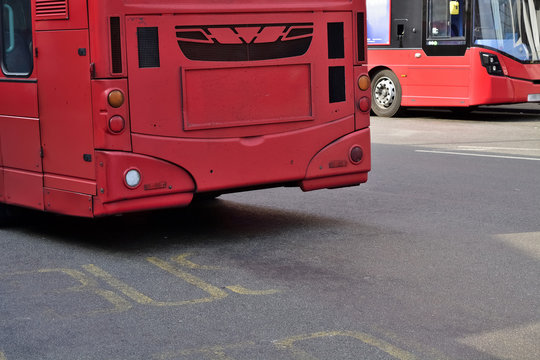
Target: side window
{"x":446,"y":20}
{"x":16,"y":41}
{"x":446,"y":27}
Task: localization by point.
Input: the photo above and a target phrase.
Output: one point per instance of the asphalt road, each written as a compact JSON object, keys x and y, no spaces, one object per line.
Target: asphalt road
{"x":436,"y":257}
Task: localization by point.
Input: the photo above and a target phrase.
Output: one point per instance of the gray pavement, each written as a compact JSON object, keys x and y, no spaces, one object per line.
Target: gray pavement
{"x":436,"y":257}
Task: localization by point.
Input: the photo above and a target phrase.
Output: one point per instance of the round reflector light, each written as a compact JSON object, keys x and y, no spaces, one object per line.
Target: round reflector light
{"x":133,"y":178}
{"x":116,"y":98}
{"x":364,"y":104}
{"x":357,"y":154}
{"x":116,"y":124}
{"x":364,"y":83}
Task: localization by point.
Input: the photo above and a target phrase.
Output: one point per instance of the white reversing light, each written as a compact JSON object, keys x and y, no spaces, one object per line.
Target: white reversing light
{"x":133,"y":178}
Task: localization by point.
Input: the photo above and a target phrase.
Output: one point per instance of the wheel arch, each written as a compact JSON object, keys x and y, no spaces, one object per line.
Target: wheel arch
{"x":372,"y":72}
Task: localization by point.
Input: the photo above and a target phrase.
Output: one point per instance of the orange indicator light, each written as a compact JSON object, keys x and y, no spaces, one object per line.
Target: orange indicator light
{"x":116,"y":98}
{"x":364,"y":83}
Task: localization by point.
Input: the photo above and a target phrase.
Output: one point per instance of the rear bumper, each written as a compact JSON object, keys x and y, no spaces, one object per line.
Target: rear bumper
{"x":271,"y":160}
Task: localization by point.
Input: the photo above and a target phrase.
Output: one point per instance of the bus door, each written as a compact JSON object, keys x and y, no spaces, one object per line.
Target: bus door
{"x":21,"y":178}
{"x":64,"y":90}
{"x":445,"y":70}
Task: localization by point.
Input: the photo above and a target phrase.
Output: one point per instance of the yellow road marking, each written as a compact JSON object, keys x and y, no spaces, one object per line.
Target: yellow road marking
{"x":299,"y":354}
{"x":243,"y":291}
{"x":137,"y":296}
{"x":210,"y":352}
{"x":87,"y":284}
{"x":2,"y":356}
{"x":529,"y":243}
{"x":427,"y":351}
{"x":512,"y":343}
{"x":182,"y":260}
{"x":215,"y":292}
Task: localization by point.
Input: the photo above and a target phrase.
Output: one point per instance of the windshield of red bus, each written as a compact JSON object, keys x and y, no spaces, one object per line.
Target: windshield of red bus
{"x":510,"y":26}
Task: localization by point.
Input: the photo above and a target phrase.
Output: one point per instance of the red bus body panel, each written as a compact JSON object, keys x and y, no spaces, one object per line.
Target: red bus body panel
{"x":457,"y":80}
{"x":188,"y":123}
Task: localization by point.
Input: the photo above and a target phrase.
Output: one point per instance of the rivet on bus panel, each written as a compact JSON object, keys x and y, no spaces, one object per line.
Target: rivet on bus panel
{"x":116,"y":98}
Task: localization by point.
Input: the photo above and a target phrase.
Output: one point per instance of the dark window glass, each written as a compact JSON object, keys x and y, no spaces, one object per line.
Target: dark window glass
{"x":16,"y":41}
{"x":509,"y":26}
{"x":446,"y":22}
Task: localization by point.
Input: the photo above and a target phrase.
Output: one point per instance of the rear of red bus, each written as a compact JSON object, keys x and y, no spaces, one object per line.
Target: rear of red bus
{"x":146,"y":104}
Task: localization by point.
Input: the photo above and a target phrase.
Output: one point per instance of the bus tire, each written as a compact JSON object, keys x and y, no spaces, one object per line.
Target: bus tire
{"x":385,"y":94}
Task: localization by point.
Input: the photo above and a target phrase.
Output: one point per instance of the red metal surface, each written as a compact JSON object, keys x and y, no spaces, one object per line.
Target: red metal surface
{"x":158,"y":177}
{"x":267,"y":94}
{"x":361,"y":117}
{"x":2,"y":187}
{"x":65,"y":103}
{"x":512,"y":88}
{"x":333,"y":182}
{"x":23,"y":188}
{"x":76,"y":17}
{"x":68,"y":203}
{"x":20,"y":143}
{"x":160,"y":112}
{"x":220,"y":164}
{"x":102,"y":112}
{"x":189,"y":125}
{"x":77,"y":185}
{"x":19,"y":97}
{"x":141,"y":204}
{"x":427,"y":80}
{"x":456,"y":80}
{"x":334,"y":159}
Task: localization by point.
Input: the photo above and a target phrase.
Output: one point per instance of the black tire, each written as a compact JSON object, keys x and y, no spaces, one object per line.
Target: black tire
{"x":385,"y":94}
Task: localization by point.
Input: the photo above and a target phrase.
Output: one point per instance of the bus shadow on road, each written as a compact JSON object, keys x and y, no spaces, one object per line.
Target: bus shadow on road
{"x":202,"y":223}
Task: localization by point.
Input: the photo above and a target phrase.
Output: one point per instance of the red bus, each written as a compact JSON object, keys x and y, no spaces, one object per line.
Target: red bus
{"x":111,"y":106}
{"x":456,"y":54}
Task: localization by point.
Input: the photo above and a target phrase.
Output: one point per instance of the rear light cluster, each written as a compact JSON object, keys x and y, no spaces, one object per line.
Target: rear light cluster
{"x":116,"y":99}
{"x":364,"y":84}
{"x":363,"y":96}
{"x":492,"y":64}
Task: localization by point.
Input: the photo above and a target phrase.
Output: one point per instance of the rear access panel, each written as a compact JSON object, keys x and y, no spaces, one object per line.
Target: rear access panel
{"x":270,"y":94}
{"x":233,"y":75}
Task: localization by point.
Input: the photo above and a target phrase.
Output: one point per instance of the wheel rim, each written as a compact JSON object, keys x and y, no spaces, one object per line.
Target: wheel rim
{"x":385,"y":92}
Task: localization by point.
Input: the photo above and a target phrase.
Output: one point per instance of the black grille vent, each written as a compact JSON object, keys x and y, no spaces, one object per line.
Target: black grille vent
{"x":336,"y":83}
{"x":336,"y":42}
{"x":360,"y":35}
{"x":116,"y":46}
{"x":51,"y":9}
{"x":148,"y":43}
{"x":244,"y":42}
